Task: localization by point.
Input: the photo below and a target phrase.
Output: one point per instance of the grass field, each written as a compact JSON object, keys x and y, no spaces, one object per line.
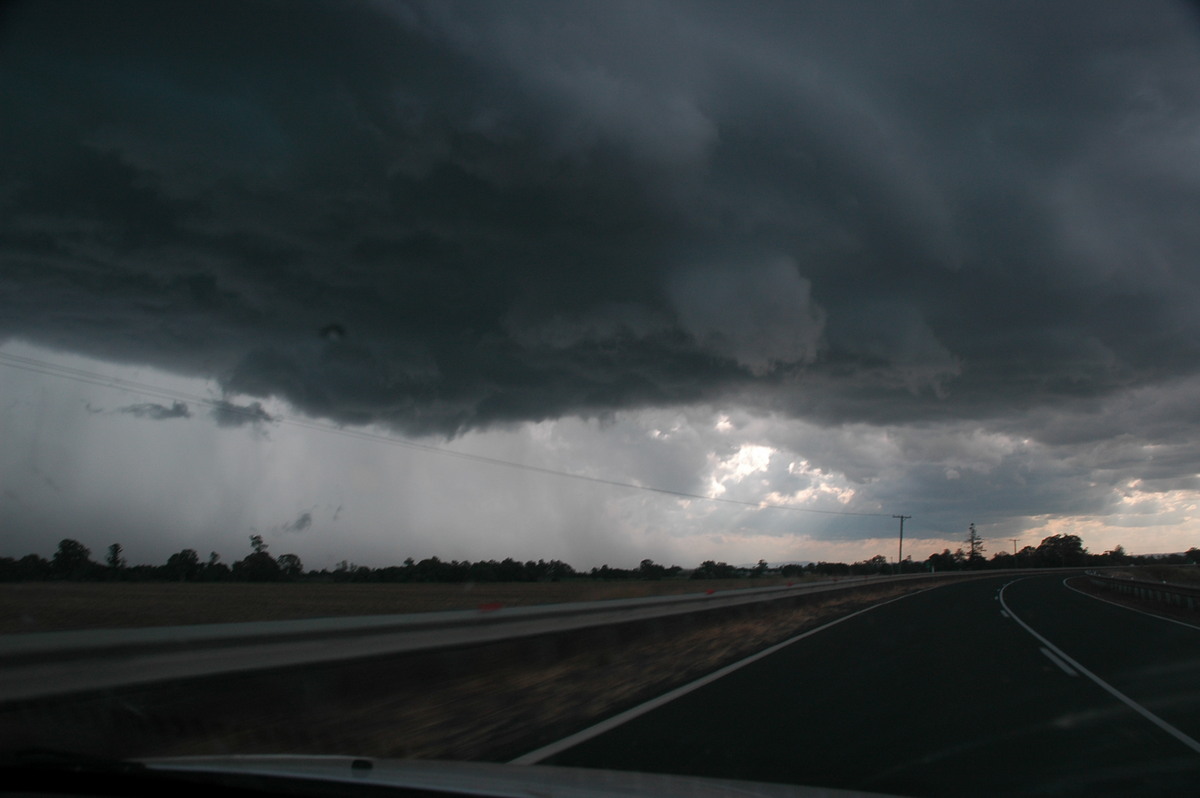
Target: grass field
{"x":57,"y":606}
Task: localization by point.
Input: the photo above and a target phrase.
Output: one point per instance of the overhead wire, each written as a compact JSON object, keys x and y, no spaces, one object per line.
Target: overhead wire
{"x":256,"y":412}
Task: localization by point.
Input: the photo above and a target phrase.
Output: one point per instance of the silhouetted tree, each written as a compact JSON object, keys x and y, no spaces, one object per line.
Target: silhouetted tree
{"x":258,"y":566}
{"x":183,"y":567}
{"x":974,"y":548}
{"x":113,"y":559}
{"x":942,"y":562}
{"x":214,"y":570}
{"x":1116,"y":556}
{"x":290,"y":565}
{"x":714,"y":570}
{"x":1062,"y":551}
{"x":72,"y":560}
{"x":649,"y":569}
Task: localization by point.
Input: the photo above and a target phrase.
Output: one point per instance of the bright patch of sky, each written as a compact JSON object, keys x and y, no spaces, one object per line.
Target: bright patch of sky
{"x":78,"y":464}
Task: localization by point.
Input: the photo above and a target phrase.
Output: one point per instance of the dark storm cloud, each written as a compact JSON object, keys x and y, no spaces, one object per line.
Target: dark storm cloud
{"x":157,"y":412}
{"x":229,"y":414}
{"x":449,"y":216}
{"x":302,"y":522}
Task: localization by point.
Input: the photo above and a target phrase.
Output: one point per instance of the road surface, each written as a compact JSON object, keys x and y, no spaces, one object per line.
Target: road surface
{"x":947,"y":692}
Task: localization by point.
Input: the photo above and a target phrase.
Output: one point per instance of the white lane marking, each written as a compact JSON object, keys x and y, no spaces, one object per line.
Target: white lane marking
{"x":551,"y":749}
{"x":1135,"y":706}
{"x":1131,"y":609}
{"x":1003,"y":614}
{"x":1067,"y":669}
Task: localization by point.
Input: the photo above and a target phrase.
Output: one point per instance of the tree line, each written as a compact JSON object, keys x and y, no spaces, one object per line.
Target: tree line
{"x":72,"y":561}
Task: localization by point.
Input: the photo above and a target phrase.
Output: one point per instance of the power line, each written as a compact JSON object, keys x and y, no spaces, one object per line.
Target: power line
{"x":134,"y":386}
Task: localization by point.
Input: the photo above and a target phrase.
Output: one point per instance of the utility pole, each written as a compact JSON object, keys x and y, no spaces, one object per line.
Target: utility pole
{"x":1014,"y":541}
{"x":900,"y":555}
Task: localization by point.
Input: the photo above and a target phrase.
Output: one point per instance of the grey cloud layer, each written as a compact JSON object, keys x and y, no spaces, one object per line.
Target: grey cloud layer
{"x":524,"y":210}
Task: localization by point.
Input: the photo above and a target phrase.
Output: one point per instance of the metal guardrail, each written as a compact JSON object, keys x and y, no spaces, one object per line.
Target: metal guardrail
{"x":1181,"y":596}
{"x":56,"y":663}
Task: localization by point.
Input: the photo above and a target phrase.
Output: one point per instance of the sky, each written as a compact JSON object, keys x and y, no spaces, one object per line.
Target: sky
{"x":533,"y":279}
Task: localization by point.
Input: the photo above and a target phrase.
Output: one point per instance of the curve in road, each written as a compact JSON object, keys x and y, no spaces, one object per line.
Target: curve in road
{"x":944,"y":692}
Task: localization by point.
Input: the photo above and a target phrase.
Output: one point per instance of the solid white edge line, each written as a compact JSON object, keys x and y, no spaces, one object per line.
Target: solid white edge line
{"x":537,"y":755}
{"x":1126,"y":607}
{"x":1135,"y":706}
{"x":1050,"y":655}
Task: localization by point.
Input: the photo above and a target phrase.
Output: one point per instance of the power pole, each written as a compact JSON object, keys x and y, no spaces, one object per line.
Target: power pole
{"x":1014,"y":541}
{"x":900,"y":555}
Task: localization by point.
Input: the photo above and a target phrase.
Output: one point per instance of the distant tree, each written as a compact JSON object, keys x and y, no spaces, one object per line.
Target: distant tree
{"x":1063,"y":550}
{"x":759,"y":569}
{"x":183,"y":566}
{"x":258,"y":566}
{"x":32,"y":568}
{"x":290,"y":565}
{"x":828,"y":568}
{"x":113,"y":559}
{"x":714,"y":570}
{"x":559,"y":570}
{"x":1115,"y":556}
{"x":876,"y":565}
{"x":942,"y":562}
{"x":1029,"y":557}
{"x":649,"y":569}
{"x":72,"y":560}
{"x":974,"y":548}
{"x":214,"y":570}
{"x":1193,"y":555}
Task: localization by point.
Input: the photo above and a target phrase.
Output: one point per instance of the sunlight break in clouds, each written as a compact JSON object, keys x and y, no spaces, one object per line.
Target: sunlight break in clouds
{"x":748,"y":459}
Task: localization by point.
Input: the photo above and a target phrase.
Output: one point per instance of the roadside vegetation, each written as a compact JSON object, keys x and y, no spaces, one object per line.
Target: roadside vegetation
{"x":72,"y":561}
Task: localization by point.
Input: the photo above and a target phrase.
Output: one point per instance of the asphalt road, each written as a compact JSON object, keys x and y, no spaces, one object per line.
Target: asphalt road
{"x":945,"y":693}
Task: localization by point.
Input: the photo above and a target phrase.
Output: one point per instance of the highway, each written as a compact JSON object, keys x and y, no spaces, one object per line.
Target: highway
{"x":947,"y":692}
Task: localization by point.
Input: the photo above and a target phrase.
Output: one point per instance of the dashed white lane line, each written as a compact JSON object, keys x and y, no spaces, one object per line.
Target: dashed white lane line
{"x":1114,"y":692}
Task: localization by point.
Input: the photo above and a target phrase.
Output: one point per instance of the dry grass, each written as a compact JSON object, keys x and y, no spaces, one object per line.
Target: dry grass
{"x":56,"y":606}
